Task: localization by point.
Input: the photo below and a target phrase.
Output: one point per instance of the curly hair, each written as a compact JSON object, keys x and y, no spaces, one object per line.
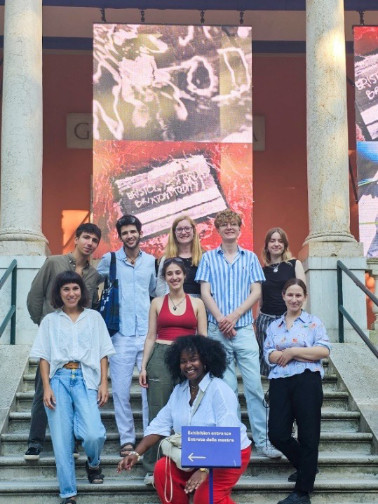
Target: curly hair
{"x":211,"y":353}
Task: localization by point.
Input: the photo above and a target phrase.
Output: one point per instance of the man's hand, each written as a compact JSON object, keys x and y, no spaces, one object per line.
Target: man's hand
{"x":227,"y":324}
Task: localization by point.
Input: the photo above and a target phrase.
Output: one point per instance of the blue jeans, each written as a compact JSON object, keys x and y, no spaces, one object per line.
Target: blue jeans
{"x":76,"y":412}
{"x":243,"y":349}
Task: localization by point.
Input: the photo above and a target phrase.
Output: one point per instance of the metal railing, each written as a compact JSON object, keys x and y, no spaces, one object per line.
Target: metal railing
{"x":343,"y":312}
{"x":11,"y":315}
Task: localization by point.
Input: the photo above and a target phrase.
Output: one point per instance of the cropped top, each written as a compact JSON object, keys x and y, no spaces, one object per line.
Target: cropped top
{"x":170,"y":327}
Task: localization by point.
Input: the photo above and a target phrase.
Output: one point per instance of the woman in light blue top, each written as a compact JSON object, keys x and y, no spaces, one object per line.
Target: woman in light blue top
{"x":294,"y":347}
{"x":201,"y":399}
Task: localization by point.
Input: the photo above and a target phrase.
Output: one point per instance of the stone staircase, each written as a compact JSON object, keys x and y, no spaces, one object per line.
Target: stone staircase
{"x":347,"y":463}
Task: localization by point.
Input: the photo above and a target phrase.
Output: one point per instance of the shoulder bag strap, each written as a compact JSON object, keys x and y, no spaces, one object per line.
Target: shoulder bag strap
{"x":113,"y":268}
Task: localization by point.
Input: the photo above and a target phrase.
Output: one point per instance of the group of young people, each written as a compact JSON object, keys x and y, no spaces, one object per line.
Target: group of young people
{"x":210,"y":294}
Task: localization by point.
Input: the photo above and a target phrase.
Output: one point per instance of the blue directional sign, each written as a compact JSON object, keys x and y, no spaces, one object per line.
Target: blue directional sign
{"x":210,"y":446}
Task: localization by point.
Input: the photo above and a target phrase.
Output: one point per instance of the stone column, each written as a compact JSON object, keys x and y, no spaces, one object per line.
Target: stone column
{"x":22,"y":139}
{"x":327,"y":167}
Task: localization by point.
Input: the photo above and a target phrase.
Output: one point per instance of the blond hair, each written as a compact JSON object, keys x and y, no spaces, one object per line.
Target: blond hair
{"x":286,"y":254}
{"x":172,"y":247}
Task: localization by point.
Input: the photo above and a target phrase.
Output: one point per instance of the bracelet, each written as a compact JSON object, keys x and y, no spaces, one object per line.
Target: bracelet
{"x":135,"y":453}
{"x":204,"y":469}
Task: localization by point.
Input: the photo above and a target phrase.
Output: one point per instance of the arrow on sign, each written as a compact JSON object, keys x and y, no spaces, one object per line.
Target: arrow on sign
{"x":191,"y":457}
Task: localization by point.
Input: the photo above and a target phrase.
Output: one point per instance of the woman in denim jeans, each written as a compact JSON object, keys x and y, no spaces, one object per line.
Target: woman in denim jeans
{"x":73,"y":346}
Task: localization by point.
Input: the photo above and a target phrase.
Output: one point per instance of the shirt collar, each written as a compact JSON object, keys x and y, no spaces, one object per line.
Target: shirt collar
{"x":303,"y":317}
{"x":72,"y":260}
{"x":219,"y":250}
{"x":122,"y":254}
{"x":203,"y":384}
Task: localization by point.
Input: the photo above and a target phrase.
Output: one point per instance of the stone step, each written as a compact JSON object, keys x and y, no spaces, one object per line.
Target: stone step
{"x":14,"y":442}
{"x":355,"y":442}
{"x":334,"y":400}
{"x":330,"y":466}
{"x":249,"y":490}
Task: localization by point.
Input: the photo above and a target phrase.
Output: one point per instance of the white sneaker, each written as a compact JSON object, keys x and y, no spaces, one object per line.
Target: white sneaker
{"x":268,"y":450}
{"x":149,"y":479}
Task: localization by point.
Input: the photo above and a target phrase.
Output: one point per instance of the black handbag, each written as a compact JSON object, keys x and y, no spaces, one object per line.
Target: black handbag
{"x":109,"y":302}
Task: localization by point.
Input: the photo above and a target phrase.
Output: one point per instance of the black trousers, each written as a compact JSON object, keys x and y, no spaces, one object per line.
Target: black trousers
{"x":298,"y":397}
{"x":38,"y":420}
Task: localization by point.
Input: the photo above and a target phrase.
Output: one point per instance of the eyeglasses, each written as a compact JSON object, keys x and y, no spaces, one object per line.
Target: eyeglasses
{"x":185,"y":229}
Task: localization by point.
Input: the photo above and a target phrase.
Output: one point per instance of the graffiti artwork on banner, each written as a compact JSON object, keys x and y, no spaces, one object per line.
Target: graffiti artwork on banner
{"x":172,"y":128}
{"x":366,"y":89}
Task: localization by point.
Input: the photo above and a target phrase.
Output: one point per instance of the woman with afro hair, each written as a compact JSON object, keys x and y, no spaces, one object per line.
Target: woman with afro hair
{"x":201,"y":398}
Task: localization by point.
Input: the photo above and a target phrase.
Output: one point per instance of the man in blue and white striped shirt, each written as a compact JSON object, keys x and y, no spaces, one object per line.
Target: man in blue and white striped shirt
{"x":230,"y":279}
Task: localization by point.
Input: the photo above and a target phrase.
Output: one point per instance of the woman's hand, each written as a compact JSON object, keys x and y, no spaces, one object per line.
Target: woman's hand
{"x":127,"y":463}
{"x":196,"y":479}
{"x":102,"y":395}
{"x":286,"y":356}
{"x":49,"y":398}
{"x":143,"y":378}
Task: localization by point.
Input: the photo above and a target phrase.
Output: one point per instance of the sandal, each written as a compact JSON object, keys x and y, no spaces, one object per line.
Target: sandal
{"x":126,"y":448}
{"x":94,"y":474}
{"x":69,"y":500}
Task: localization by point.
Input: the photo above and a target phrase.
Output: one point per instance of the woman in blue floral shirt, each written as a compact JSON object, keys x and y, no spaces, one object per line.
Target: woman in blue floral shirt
{"x":294,"y":347}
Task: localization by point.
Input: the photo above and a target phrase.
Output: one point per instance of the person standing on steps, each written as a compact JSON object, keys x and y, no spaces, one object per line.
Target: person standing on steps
{"x":135,"y":271}
{"x":171,"y":316}
{"x":230,"y":279}
{"x":278,"y":269}
{"x":294,"y":347}
{"x":73,"y":345}
{"x":87,"y":238}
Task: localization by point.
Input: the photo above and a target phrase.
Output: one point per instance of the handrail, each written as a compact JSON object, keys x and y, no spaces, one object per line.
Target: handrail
{"x":343,"y":312}
{"x":11,"y":315}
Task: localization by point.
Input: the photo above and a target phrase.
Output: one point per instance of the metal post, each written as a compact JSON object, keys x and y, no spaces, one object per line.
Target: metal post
{"x":211,"y":485}
{"x":13,"y":303}
{"x":340,"y":302}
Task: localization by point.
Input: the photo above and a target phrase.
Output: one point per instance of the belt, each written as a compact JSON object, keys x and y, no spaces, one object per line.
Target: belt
{"x":72,"y":365}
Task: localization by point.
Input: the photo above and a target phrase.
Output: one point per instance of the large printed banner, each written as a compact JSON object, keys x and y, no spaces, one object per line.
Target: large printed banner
{"x":172,"y":128}
{"x":366,"y":85}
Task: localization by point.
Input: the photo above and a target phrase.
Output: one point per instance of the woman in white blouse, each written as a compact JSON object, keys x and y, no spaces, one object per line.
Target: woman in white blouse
{"x":201,"y":398}
{"x":73,"y":346}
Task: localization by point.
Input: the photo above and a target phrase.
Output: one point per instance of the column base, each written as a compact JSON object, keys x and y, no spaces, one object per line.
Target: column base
{"x":329,"y":248}
{"x":22,"y":242}
{"x":334,"y":236}
{"x":319,"y":261}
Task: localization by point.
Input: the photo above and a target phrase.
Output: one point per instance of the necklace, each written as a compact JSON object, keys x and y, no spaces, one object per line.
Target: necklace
{"x":131,"y":260}
{"x":193,"y":387}
{"x":178,"y":304}
{"x":275,"y":267}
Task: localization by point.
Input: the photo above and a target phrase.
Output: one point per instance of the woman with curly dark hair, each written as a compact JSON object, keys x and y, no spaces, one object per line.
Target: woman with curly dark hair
{"x":201,"y":398}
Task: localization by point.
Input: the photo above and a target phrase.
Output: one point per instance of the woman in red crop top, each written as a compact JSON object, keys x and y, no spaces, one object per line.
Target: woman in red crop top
{"x":171,"y":316}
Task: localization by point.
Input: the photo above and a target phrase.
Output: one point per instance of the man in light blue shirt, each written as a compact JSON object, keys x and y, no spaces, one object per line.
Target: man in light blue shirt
{"x":230,"y":279}
{"x":137,"y":282}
